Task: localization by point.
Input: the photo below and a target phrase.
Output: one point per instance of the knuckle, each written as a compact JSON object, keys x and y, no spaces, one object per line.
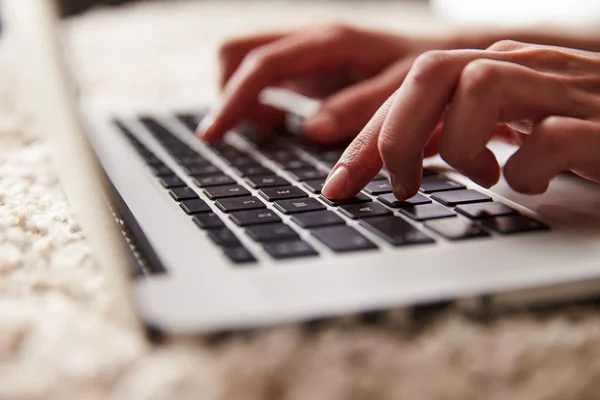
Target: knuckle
{"x":506,"y":45}
{"x":337,"y":31}
{"x":552,"y":133}
{"x":479,"y":75}
{"x":429,"y":64}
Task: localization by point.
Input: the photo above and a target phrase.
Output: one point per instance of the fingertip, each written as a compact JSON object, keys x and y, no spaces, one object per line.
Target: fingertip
{"x":337,"y":183}
{"x":321,"y":125}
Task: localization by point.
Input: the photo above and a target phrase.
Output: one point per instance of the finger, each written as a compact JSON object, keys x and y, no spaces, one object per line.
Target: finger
{"x":360,"y":162}
{"x":489,"y":92}
{"x":421,"y":100}
{"x":233,"y":52}
{"x":345,"y":113}
{"x":277,"y":61}
{"x":556,"y":144}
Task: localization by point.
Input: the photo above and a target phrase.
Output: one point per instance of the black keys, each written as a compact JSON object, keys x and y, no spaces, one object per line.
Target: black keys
{"x":379,"y":187}
{"x":456,"y":197}
{"x":427,"y":211}
{"x":391,"y":201}
{"x":514,"y":224}
{"x":183,"y":193}
{"x":208,"y":220}
{"x":293,"y":206}
{"x":317,"y":218}
{"x":308,"y":174}
{"x":239,"y":255}
{"x":314,"y":185}
{"x":201,"y":170}
{"x":363,"y":210}
{"x":343,"y":238}
{"x":395,"y":231}
{"x":281,"y":193}
{"x":252,"y":170}
{"x":213,"y":180}
{"x":254,"y":217}
{"x":293,"y":164}
{"x":170,"y":182}
{"x":151,"y":159}
{"x":292,"y":249}
{"x":221,"y":192}
{"x":195,"y":206}
{"x":485,"y":210}
{"x":223,"y":237}
{"x":190,"y":121}
{"x":239,"y":204}
{"x":432,"y":184}
{"x":272,"y":233}
{"x":456,"y":228}
{"x":278,"y":154}
{"x":266,"y":181}
{"x":161,"y":170}
{"x":244,"y":161}
{"x":359,"y":198}
{"x":195,"y":160}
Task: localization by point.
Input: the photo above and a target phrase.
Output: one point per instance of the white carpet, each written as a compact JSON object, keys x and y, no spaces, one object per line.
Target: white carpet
{"x":57,"y":337}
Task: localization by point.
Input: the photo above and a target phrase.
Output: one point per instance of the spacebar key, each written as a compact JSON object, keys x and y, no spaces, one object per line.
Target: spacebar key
{"x":343,"y":238}
{"x":395,"y":230}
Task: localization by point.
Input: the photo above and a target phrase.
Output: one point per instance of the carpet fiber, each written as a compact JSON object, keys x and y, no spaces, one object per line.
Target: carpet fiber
{"x":58,"y":337}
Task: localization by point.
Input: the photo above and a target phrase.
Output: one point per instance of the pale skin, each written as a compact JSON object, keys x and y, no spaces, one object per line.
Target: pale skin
{"x":402,"y":99}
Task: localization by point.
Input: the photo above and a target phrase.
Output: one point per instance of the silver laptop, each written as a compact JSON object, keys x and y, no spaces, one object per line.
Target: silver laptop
{"x":236,"y":235}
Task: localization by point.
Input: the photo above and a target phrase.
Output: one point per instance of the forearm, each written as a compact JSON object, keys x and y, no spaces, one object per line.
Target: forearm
{"x":480,"y":39}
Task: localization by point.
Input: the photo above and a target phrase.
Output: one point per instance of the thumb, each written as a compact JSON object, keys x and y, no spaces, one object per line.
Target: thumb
{"x":343,"y":115}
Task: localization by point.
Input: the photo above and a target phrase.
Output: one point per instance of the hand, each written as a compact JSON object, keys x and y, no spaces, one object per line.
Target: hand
{"x":545,"y":99}
{"x":354,"y":70}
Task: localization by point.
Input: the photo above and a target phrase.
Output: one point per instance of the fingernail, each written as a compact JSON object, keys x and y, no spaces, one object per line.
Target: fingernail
{"x":321,"y":124}
{"x":399,"y":189}
{"x":336,"y":183}
{"x":205,"y":124}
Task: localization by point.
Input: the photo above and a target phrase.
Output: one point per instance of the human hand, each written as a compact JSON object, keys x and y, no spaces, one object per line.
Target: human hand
{"x":544,"y":99}
{"x":354,"y":70}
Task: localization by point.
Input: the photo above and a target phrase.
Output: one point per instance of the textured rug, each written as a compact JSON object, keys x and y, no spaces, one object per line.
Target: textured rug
{"x":58,"y":337}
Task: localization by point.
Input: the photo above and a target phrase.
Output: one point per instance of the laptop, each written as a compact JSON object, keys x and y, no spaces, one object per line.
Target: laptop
{"x":236,"y":235}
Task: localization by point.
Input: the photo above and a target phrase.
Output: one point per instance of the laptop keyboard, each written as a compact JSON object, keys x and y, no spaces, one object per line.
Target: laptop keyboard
{"x":443,"y":210}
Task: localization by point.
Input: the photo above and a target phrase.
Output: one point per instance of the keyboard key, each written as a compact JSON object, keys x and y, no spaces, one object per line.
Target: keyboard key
{"x":359,"y":198}
{"x":252,"y":170}
{"x":201,"y":170}
{"x":315,"y":219}
{"x":208,"y":220}
{"x":395,"y":231}
{"x":485,"y":210}
{"x":151,"y":159}
{"x":244,"y":161}
{"x":254,"y":217}
{"x":363,"y":210}
{"x":192,"y":161}
{"x":293,"y":206}
{"x":432,"y":184}
{"x":314,"y":185}
{"x":427,"y":211}
{"x":195,"y":206}
{"x":293,"y":164}
{"x":282,"y":193}
{"x":239,"y":204}
{"x":161,"y":170}
{"x":190,"y":121}
{"x":391,"y":201}
{"x":379,"y":187}
{"x":277,"y":154}
{"x":224,"y":237}
{"x":456,"y":228}
{"x":213,"y":180}
{"x":170,"y":182}
{"x":183,"y":193}
{"x":239,"y":255}
{"x":296,"y":248}
{"x":308,"y":174}
{"x":514,"y":224}
{"x":266,"y":181}
{"x":456,"y":197}
{"x":221,"y":192}
{"x":343,"y":238}
{"x":272,"y":233}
